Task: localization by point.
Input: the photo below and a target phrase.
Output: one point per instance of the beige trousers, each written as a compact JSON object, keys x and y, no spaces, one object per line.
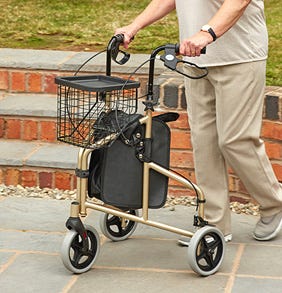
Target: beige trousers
{"x":225,"y":116}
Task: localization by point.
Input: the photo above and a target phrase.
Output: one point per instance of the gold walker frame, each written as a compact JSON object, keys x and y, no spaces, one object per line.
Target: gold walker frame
{"x":81,"y":244}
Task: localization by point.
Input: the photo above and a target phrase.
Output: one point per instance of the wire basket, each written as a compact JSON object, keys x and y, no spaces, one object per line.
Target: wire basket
{"x":93,"y":110}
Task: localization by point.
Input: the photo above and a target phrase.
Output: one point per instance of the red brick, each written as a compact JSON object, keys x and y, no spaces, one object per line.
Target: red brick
{"x":34,"y":82}
{"x":274,"y":150}
{"x":18,"y":81}
{"x":240,"y":198}
{"x":45,"y":180}
{"x":74,"y":181}
{"x":4,"y":80}
{"x":180,"y":140}
{"x":63,"y":180}
{"x":13,"y":129}
{"x":48,"y":131}
{"x":30,"y":130}
{"x":272,"y":129}
{"x":29,"y":178}
{"x":49,"y":83}
{"x":185,"y":173}
{"x":2,"y":127}
{"x":232,"y":183}
{"x":12,"y":177}
{"x":181,"y":122}
{"x":181,"y":159}
{"x":2,"y":176}
{"x":177,"y":192}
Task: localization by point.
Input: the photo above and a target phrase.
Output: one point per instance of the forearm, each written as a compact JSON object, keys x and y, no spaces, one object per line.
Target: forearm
{"x":227,"y":15}
{"x":155,"y":10}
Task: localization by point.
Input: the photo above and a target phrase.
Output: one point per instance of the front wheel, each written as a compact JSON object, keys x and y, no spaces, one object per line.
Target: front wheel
{"x":75,"y":257}
{"x":206,"y":250}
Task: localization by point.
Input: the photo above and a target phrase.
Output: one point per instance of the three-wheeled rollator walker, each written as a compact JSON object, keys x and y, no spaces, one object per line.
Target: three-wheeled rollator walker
{"x":123,"y":162}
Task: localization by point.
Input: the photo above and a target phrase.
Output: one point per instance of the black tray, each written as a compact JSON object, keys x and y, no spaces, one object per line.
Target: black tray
{"x":96,"y":83}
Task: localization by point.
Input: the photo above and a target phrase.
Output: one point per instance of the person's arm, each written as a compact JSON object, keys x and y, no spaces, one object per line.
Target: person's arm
{"x":155,"y":10}
{"x":221,"y":22}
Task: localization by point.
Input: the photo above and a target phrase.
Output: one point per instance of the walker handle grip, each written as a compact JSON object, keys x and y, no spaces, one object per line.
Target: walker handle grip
{"x":177,"y":47}
{"x":113,"y":51}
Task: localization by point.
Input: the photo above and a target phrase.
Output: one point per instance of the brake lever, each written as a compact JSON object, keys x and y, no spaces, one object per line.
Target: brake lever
{"x":169,"y":57}
{"x":171,"y":62}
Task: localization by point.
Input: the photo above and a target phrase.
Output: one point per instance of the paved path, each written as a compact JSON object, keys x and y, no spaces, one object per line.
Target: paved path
{"x":32,"y":230}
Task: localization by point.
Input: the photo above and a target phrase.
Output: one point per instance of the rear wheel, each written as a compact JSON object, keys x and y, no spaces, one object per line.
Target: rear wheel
{"x":206,"y":250}
{"x":117,"y":228}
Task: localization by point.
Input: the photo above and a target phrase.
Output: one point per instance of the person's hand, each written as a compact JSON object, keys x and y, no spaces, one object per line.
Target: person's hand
{"x":128,"y":32}
{"x":192,"y":46}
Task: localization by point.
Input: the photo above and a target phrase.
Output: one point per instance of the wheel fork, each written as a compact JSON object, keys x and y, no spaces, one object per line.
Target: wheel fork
{"x":74,"y":223}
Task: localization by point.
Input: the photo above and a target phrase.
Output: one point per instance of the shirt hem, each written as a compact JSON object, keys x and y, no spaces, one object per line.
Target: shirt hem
{"x":223,"y":63}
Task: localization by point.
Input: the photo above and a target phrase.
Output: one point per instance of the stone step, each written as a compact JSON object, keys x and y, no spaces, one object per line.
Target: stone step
{"x":32,"y":163}
{"x":28,"y":104}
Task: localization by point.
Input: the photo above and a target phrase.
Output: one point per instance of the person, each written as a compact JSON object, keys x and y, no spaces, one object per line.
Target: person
{"x":224,"y":108}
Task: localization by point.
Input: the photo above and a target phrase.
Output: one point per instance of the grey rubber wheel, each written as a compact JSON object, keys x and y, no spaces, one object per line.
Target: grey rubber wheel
{"x":206,"y":250}
{"x":74,"y":257}
{"x":111,"y":226}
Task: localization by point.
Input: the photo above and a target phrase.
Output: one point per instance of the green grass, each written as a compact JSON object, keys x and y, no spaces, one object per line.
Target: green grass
{"x":274,"y":24}
{"x":89,"y":24}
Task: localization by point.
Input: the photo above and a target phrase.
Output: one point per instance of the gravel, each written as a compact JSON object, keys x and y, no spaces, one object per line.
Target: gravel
{"x":36,"y":192}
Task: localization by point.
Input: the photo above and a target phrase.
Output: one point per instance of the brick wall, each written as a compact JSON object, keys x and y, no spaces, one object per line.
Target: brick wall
{"x":28,"y":128}
{"x":169,"y":88}
{"x":31,"y":176}
{"x":36,"y":81}
{"x":27,"y":81}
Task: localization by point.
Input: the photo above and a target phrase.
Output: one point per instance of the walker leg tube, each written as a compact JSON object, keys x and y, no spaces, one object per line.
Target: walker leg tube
{"x":82,"y":165}
{"x":146,"y":169}
{"x":145,"y":205}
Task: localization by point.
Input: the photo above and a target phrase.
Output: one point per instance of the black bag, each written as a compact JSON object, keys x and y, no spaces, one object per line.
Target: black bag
{"x":116,"y":172}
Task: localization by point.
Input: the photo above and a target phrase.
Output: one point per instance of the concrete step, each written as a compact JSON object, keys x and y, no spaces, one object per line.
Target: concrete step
{"x":41,"y":164}
{"x":28,"y":104}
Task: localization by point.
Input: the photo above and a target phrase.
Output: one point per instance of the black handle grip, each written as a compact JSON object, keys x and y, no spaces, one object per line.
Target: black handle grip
{"x":113,"y":51}
{"x":204,"y":50}
{"x":177,"y":47}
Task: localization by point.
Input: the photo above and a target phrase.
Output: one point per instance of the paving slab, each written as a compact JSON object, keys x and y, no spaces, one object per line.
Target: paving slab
{"x":34,"y":273}
{"x":265,"y":256}
{"x":32,"y":230}
{"x":138,"y":281}
{"x":33,"y":214}
{"x":263,"y":285}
